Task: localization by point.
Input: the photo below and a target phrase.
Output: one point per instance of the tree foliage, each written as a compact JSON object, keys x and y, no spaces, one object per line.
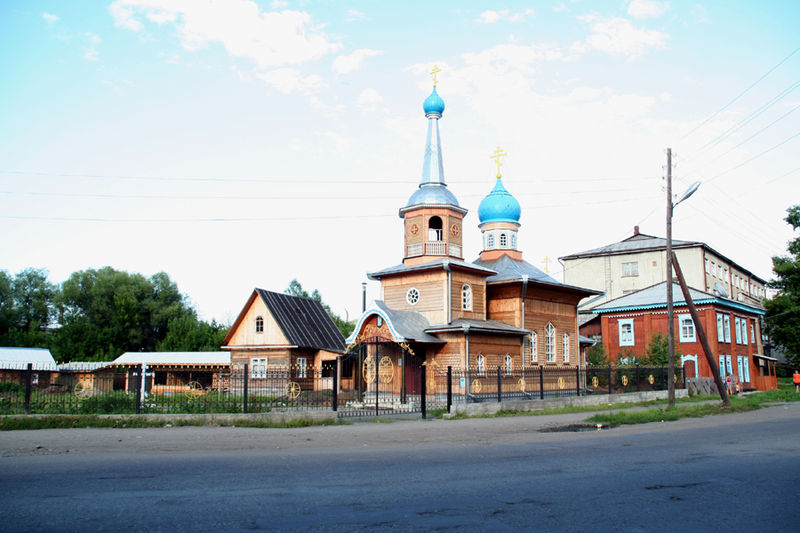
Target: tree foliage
{"x":597,"y":356}
{"x":657,"y":351}
{"x":296,"y":289}
{"x":96,"y":315}
{"x":783,"y":311}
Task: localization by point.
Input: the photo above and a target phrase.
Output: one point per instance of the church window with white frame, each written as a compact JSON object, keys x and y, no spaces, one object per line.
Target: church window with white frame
{"x":509,"y":364}
{"x":550,"y":343}
{"x":534,"y":340}
{"x":466,"y":298}
{"x":490,"y":241}
{"x":258,"y":367}
{"x":565,"y":342}
{"x":480,"y":364}
{"x":627,"y":336}
{"x":503,"y":240}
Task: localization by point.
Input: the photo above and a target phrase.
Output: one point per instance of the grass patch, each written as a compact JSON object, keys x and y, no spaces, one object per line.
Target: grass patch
{"x":11,"y":423}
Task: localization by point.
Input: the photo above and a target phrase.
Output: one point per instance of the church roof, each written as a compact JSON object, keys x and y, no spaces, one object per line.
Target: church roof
{"x":433,"y":103}
{"x":436,"y":264}
{"x":509,"y":269}
{"x":499,"y":206}
{"x":406,"y":326}
{"x":484,"y":326}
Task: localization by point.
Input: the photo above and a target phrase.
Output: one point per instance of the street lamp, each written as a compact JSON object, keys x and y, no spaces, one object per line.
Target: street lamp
{"x":670,"y":312}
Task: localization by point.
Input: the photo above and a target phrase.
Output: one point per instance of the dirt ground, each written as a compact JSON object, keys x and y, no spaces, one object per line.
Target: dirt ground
{"x":399,"y":433}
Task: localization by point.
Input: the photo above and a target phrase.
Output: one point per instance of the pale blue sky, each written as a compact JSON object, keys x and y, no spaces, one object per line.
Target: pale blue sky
{"x":193,"y":137}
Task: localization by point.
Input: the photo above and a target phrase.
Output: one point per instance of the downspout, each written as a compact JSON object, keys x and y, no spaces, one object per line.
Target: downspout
{"x":524,"y":295}
{"x":446,"y":264}
{"x":466,"y":359}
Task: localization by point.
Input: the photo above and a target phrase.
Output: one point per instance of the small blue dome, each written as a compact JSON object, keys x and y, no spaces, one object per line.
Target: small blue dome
{"x":433,"y":103}
{"x":499,"y":206}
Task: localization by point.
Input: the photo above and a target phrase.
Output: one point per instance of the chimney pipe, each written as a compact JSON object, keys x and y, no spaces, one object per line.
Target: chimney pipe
{"x":636,"y":230}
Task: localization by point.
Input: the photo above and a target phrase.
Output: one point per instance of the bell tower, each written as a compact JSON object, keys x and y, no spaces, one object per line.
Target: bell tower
{"x":432,"y":217}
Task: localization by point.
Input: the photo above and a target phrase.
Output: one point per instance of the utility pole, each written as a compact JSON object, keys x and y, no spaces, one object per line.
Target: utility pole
{"x":670,"y":311}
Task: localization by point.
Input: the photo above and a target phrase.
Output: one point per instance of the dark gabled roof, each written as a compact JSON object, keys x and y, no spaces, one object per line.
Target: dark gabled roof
{"x":655,"y":297}
{"x":303,"y":321}
{"x":511,"y":270}
{"x":436,"y":264}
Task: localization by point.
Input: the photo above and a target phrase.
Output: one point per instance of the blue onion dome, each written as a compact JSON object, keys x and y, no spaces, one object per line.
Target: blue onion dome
{"x":433,"y":103}
{"x":499,"y":206}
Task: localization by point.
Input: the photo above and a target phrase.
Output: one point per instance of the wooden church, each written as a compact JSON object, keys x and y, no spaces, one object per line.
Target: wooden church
{"x":438,"y":310}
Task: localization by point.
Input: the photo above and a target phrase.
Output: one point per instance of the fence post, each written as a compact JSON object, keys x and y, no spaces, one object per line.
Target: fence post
{"x":541,"y":383}
{"x":28,"y":388}
{"x":638,"y":386}
{"x":335,"y":396}
{"x":609,"y":380}
{"x":578,"y":379}
{"x":139,"y":378}
{"x":449,"y":387}
{"x":683,"y":376}
{"x":499,"y":386}
{"x":244,"y":388}
{"x":422,"y":405}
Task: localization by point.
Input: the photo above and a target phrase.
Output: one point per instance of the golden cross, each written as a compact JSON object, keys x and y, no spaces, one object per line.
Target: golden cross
{"x":435,"y":71}
{"x":497,"y":155}
{"x":546,"y":262}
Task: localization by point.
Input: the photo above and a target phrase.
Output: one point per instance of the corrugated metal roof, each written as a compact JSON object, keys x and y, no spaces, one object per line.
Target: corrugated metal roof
{"x":509,"y":269}
{"x":18,"y":358}
{"x":435,"y":264}
{"x":655,"y":296}
{"x":637,"y":243}
{"x":303,"y":321}
{"x":174,"y":358}
{"x":84,"y":366}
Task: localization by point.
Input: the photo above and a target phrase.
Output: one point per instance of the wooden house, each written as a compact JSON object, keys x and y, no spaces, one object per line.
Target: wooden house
{"x":276,"y":331}
{"x":14,"y":365}
{"x":176,"y":372}
{"x":733,"y":330}
{"x":438,"y":310}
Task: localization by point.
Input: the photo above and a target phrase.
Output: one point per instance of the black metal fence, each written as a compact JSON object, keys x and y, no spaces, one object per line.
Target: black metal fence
{"x":120,"y":390}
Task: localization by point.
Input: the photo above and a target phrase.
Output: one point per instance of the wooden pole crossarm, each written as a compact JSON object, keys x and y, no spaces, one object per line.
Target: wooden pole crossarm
{"x":723,"y":391}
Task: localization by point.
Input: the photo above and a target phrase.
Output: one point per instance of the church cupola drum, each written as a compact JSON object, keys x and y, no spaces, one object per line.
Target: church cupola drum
{"x":432,"y":216}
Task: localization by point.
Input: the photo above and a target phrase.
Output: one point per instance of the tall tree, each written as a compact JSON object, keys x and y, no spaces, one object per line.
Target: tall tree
{"x":106,"y":312}
{"x":783,"y":311}
{"x":188,"y":334}
{"x":26,"y":308}
{"x":296,"y":289}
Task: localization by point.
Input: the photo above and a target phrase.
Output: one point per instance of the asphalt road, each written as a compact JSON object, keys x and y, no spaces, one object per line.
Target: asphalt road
{"x":726,"y":473}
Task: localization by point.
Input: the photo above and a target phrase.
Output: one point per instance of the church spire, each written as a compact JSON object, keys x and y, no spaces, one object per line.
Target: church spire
{"x":433,"y":167}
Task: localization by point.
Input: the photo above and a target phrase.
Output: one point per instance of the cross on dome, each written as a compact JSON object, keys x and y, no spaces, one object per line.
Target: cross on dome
{"x":497,"y":155}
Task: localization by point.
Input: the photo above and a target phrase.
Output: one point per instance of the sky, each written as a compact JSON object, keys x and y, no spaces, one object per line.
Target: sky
{"x":240,"y":144}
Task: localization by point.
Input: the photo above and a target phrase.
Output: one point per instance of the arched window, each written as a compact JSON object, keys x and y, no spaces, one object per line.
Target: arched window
{"x":550,"y":343}
{"x":490,"y":241}
{"x":503,"y":240}
{"x":514,"y":241}
{"x":565,"y":340}
{"x":480,"y":363}
{"x":259,"y":324}
{"x":534,"y":347}
{"x":435,"y":229}
{"x":509,"y":364}
{"x":466,"y":298}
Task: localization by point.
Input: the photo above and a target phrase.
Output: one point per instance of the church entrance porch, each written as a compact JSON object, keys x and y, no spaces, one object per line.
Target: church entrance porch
{"x":386,"y":378}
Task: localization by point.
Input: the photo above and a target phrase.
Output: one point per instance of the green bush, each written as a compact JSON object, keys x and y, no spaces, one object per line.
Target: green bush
{"x":11,"y":387}
{"x":112,"y":403}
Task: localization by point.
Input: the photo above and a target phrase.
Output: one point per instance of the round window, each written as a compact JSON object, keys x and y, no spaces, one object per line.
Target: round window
{"x":412,"y":296}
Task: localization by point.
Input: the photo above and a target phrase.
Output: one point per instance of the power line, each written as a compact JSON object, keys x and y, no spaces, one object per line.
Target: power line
{"x":723,"y":108}
{"x":743,"y":163}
